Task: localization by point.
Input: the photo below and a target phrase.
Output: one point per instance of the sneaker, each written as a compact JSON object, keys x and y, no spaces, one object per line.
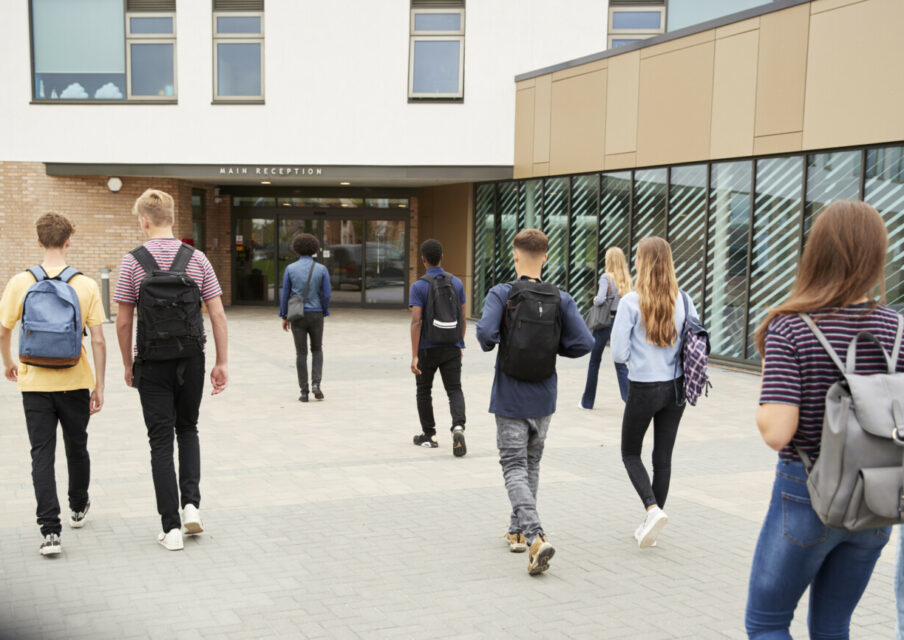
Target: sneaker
{"x":191,"y":519}
{"x":77,"y":518}
{"x":317,"y":392}
{"x":541,"y":551}
{"x":647,"y":533}
{"x":637,"y":535}
{"x":422,"y":440}
{"x":303,"y":397}
{"x":516,"y":542}
{"x":581,"y":406}
{"x":51,"y":545}
{"x":459,"y":448}
{"x":171,"y":540}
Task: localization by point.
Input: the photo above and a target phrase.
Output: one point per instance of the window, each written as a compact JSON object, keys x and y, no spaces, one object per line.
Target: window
{"x":103,"y":50}
{"x":632,"y":23}
{"x":198,"y":222}
{"x":437,"y":50}
{"x":238,"y":56}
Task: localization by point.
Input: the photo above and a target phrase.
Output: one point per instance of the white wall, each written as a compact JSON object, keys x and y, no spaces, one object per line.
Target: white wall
{"x":336,"y":90}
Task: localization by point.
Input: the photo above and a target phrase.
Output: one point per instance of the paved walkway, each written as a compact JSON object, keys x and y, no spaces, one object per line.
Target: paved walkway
{"x":324,"y":521}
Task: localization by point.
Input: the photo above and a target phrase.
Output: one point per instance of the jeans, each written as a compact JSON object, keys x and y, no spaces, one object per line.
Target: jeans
{"x":600,"y":338}
{"x":520,"y":442}
{"x":650,"y":401}
{"x":169,"y":406}
{"x":43,"y":410}
{"x":309,"y":325}
{"x":448,"y":361}
{"x":899,"y":583}
{"x":796,"y":550}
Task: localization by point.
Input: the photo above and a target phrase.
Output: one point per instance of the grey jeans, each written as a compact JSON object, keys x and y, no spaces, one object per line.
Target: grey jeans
{"x":520,"y":442}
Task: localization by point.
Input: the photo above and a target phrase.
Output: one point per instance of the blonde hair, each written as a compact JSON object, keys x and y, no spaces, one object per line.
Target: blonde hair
{"x":657,"y":288}
{"x":616,"y":270}
{"x":157,"y":206}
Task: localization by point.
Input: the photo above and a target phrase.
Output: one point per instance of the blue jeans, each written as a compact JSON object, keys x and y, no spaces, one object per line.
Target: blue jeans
{"x":899,"y":583}
{"x":600,"y":338}
{"x":520,"y":442}
{"x":795,"y":551}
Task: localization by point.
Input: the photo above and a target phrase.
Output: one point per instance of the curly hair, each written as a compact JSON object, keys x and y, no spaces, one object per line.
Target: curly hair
{"x":432,"y":251}
{"x":304,"y":244}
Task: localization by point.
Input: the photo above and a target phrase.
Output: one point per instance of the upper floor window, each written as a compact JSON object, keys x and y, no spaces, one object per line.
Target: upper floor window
{"x":437,"y":49}
{"x":630,"y":23}
{"x":238,"y":43}
{"x":103,"y":50}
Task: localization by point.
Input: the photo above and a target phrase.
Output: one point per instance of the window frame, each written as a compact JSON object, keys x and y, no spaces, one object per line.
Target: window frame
{"x":149,"y":14}
{"x":613,"y":9}
{"x":150,"y":38}
{"x":625,"y":37}
{"x":449,"y":35}
{"x":237,"y":38}
{"x":437,"y":11}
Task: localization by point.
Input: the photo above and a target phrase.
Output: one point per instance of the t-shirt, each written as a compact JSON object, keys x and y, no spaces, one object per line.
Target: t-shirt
{"x":417,"y":297}
{"x":798,"y":371}
{"x":32,"y":378}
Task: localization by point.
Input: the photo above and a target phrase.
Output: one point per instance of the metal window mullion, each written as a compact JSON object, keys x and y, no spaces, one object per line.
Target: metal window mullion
{"x":569,"y":221}
{"x":668,"y":200}
{"x":709,"y":170}
{"x":631,"y":213}
{"x":749,"y":275}
{"x":803,"y":209}
{"x":497,"y":232}
{"x":863,"y":158}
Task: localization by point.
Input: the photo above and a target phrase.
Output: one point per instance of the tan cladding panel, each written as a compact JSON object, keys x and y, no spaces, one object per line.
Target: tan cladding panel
{"x":674,"y":115}
{"x":524,"y":132}
{"x":577,"y":125}
{"x":782,"y":71}
{"x":734,"y":95}
{"x":542,"y":107}
{"x":621,"y":103}
{"x":855,"y":83}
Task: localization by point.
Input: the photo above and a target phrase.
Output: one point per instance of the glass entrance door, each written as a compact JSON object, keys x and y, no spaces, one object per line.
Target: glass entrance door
{"x":255,"y":260}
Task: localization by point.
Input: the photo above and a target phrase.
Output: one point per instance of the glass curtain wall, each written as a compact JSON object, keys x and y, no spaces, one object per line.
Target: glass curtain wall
{"x":555,"y":226}
{"x":582,"y":269}
{"x":885,"y":191}
{"x":687,"y":220}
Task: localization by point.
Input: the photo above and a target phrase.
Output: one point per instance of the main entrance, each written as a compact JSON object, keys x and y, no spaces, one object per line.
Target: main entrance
{"x":365,"y":249}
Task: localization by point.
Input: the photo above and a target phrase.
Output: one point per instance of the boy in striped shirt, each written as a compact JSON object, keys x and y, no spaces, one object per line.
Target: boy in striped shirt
{"x":170,"y":390}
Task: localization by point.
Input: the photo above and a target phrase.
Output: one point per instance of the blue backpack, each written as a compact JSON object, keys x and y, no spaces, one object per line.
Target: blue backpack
{"x":51,"y":333}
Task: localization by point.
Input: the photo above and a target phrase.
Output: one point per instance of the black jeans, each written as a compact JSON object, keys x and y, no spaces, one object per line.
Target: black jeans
{"x":448,"y":361}
{"x":309,"y":325}
{"x":43,"y":410}
{"x":169,"y":406}
{"x":651,"y":401}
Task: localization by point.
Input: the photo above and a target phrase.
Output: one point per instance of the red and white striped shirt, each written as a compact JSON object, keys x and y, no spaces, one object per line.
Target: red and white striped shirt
{"x":164,"y":251}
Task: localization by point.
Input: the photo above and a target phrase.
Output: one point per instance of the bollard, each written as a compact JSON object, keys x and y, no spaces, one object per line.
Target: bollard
{"x":105,"y":292}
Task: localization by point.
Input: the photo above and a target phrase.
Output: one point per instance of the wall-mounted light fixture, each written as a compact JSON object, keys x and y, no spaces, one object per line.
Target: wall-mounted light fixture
{"x":114,"y":184}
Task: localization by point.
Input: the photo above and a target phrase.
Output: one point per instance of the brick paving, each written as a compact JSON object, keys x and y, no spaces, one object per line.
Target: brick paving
{"x":323,"y":521}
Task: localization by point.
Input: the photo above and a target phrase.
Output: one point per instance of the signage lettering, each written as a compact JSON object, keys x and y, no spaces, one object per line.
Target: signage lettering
{"x":270,"y":171}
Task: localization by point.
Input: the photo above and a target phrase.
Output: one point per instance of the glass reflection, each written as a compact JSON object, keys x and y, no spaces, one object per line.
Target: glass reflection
{"x":582,"y":272}
{"x":615,"y":212}
{"x":255,"y":259}
{"x":649,"y":207}
{"x":555,"y":226}
{"x":885,"y":191}
{"x":384,"y":268}
{"x":484,"y":243}
{"x":687,"y":226}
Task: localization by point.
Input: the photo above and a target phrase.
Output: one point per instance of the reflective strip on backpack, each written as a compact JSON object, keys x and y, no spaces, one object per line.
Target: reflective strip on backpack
{"x":439,"y":324}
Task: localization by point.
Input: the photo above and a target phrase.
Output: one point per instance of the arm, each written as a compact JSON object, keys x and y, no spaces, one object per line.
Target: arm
{"x":219,"y":375}
{"x":10,"y":369}
{"x":777,"y":423}
{"x":576,"y":339}
{"x":779,"y":410}
{"x":99,"y":352}
{"x":284,"y":299}
{"x":603,"y":291}
{"x":326,"y":291}
{"x":124,"y":335}
{"x":417,"y":315}
{"x":620,"y":338}
{"x":488,"y":327}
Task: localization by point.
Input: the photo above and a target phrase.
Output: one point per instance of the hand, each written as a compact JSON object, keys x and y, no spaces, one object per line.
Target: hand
{"x":219,"y":378}
{"x":414,"y":368}
{"x":11,"y":371}
{"x":97,"y":401}
{"x":129,"y":378}
{"x":461,"y":354}
{"x":285,"y":325}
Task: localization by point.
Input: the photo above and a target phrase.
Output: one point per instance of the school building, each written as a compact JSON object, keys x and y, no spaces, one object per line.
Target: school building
{"x":723,"y":125}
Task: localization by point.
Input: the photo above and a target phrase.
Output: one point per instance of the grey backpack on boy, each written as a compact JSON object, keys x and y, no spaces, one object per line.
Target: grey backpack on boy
{"x":858,"y":480}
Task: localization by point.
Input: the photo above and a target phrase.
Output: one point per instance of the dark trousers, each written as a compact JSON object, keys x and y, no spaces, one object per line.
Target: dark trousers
{"x":651,"y":401}
{"x":600,"y":338}
{"x":311,"y":325}
{"x":170,"y":406}
{"x":448,"y":361}
{"x":43,"y":410}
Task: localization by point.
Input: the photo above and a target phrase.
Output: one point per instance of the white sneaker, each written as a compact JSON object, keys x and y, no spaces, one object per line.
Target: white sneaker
{"x":647,"y":533}
{"x":191,"y":520}
{"x":171,"y":540}
{"x":637,"y":535}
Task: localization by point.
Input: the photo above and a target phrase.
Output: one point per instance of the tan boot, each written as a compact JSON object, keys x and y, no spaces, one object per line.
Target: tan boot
{"x":541,"y":551}
{"x":516,"y":542}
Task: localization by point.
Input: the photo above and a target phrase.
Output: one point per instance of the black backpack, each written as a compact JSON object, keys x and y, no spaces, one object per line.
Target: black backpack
{"x":531,"y":330}
{"x":442,"y":313}
{"x":170,"y":324}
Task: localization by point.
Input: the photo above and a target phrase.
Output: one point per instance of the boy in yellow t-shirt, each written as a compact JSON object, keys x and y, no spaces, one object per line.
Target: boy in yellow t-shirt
{"x":52,"y":396}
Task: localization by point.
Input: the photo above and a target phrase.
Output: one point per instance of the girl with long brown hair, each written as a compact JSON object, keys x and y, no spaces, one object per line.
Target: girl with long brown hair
{"x":645,"y":335}
{"x":614,"y":283}
{"x":843,"y":262}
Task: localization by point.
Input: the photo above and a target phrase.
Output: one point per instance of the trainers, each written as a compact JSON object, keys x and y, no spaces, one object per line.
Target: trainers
{"x":422,"y":440}
{"x":171,"y":540}
{"x":459,"y":448}
{"x":647,"y":533}
{"x":317,"y":392}
{"x":516,"y":542}
{"x":77,"y":518}
{"x":541,"y":551}
{"x":303,"y":397}
{"x":191,"y":519}
{"x":51,"y":545}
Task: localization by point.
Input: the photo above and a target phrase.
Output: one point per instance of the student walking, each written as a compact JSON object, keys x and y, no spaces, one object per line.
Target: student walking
{"x":843,"y":261}
{"x":53,"y":372}
{"x":304,"y":303}
{"x":614,"y":283}
{"x":645,"y":335}
{"x":438,"y":326}
{"x":165,"y":281}
{"x":532,"y":321}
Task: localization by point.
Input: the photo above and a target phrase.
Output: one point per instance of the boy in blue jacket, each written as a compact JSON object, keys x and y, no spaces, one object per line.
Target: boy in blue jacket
{"x":524,"y":408}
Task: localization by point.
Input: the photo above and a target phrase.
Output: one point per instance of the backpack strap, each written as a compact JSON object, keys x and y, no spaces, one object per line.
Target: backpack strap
{"x":38,"y":273}
{"x":896,"y":350}
{"x":145,"y":259}
{"x":68,"y":274}
{"x":823,"y":341}
{"x":183,"y":256}
{"x":307,"y":285}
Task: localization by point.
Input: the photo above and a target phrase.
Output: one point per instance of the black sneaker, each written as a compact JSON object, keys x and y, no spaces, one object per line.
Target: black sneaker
{"x":317,"y":392}
{"x":51,"y":545}
{"x":422,"y":440}
{"x":459,"y":448}
{"x":77,"y":518}
{"x":303,"y":397}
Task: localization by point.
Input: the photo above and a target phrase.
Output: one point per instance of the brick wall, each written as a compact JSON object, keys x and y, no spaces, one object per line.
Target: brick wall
{"x":105,"y":226}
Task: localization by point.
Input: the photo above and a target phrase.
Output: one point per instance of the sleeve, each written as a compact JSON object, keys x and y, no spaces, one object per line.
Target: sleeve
{"x":10,"y":305}
{"x":620,"y":338}
{"x":692,"y":309}
{"x":417,"y":296}
{"x":125,"y":285}
{"x":284,"y":298}
{"x":210,"y":286}
{"x":781,"y":371}
{"x":461,"y":291}
{"x":93,"y":316}
{"x":488,"y":327}
{"x":576,"y":339}
{"x":603,"y":291}
{"x":326,"y":291}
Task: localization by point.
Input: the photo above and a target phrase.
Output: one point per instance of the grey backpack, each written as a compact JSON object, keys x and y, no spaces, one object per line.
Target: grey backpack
{"x":858,"y":480}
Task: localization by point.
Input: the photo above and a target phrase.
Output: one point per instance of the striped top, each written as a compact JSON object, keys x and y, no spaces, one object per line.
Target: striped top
{"x":798,"y":371}
{"x":164,"y":251}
